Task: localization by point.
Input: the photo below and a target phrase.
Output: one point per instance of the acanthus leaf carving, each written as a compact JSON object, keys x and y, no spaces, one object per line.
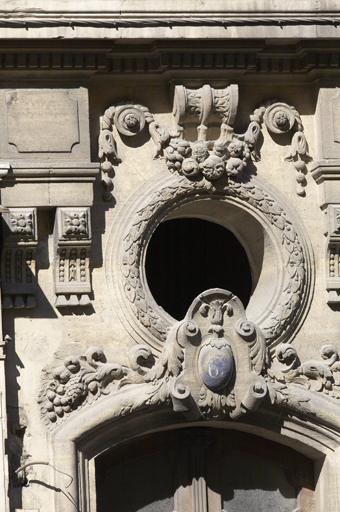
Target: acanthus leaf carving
{"x":214,"y":365}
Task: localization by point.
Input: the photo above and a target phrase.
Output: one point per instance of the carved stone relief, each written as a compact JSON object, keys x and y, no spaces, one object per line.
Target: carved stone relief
{"x":135,"y":240}
{"x":207,"y":167}
{"x":204,"y":160}
{"x":72,"y":267}
{"x":18,"y":264}
{"x":215,"y":364}
{"x":203,"y":103}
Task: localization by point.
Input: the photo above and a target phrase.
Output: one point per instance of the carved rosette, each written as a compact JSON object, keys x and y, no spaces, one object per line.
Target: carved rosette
{"x":18,"y":265}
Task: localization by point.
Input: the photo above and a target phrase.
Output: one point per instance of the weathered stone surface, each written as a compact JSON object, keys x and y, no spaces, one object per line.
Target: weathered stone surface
{"x":95,"y":360}
{"x":42,"y":121}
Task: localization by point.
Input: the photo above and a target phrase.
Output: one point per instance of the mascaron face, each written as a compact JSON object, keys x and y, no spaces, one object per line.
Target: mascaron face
{"x":213,"y":168}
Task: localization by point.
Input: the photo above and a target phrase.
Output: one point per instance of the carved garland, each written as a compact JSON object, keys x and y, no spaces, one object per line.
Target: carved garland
{"x":134,"y":242}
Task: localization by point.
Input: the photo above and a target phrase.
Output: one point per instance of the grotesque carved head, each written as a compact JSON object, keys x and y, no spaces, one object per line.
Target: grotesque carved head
{"x":213,"y":168}
{"x":236,"y":149}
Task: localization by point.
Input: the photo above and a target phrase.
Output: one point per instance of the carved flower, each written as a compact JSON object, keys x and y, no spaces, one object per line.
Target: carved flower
{"x":22,"y":223}
{"x":131,"y":120}
{"x":75,"y":223}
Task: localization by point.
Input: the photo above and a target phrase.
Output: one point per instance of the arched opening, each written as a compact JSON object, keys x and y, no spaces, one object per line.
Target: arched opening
{"x":203,"y":469}
{"x":186,"y":256}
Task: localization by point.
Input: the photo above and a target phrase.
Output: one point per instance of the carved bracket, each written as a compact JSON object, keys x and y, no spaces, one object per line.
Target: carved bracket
{"x":18,"y":264}
{"x":333,"y":255}
{"x":72,"y":265}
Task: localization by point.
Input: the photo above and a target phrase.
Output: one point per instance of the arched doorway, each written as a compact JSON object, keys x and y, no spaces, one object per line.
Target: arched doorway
{"x":203,"y":469}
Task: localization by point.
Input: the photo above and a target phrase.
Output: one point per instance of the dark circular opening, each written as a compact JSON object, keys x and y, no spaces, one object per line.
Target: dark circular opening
{"x":187,"y":256}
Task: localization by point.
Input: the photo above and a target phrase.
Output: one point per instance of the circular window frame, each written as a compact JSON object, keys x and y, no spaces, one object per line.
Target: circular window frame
{"x":162,"y":198}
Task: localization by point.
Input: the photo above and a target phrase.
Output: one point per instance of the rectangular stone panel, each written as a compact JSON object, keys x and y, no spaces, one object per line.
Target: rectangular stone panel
{"x":328,"y":123}
{"x":42,"y":121}
{"x":45,"y":124}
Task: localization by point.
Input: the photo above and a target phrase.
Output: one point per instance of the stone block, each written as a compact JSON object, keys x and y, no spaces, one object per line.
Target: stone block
{"x":64,"y":193}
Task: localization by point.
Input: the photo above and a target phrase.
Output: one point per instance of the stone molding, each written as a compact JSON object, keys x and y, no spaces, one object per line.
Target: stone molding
{"x":160,"y":58}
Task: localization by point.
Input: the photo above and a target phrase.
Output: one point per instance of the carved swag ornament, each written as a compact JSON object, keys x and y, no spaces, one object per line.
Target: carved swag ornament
{"x":215,"y":364}
{"x":203,"y":161}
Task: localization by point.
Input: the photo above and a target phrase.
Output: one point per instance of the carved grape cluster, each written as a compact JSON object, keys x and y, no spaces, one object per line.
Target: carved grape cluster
{"x":79,"y":379}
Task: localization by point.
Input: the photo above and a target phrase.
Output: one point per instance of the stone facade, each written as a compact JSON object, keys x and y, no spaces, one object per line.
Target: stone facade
{"x":117,"y":118}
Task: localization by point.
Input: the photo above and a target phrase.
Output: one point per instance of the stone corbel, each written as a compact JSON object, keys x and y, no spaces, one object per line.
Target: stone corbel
{"x":333,"y":255}
{"x":72,"y":264}
{"x":18,"y":265}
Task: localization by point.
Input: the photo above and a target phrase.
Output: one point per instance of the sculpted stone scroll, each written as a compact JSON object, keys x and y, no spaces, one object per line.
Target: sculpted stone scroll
{"x":215,"y":364}
{"x":203,"y":160}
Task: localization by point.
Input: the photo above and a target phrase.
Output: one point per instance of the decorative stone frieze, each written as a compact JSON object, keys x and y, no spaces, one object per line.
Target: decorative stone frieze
{"x":72,"y":266}
{"x":18,"y":261}
{"x":214,"y":364}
